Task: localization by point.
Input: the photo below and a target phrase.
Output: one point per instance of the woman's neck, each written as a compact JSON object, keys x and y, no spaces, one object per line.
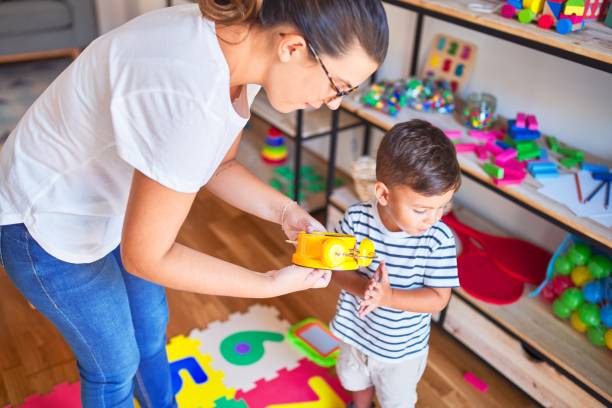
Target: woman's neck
{"x":245,"y":53}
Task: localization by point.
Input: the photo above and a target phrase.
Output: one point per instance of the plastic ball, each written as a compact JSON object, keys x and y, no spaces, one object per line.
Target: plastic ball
{"x":593,"y":292}
{"x":560,"y":283}
{"x":579,"y":254}
{"x":548,"y":294}
{"x":546,"y":21}
{"x":600,"y":266}
{"x":589,"y":314}
{"x":577,"y":323}
{"x":526,"y":16}
{"x":608,"y":338}
{"x":561,"y":309}
{"x":605,"y":313}
{"x":597,"y":335}
{"x":508,"y":11}
{"x":581,"y":275}
{"x":564,"y":26}
{"x":563,"y":265}
{"x":572,"y":297}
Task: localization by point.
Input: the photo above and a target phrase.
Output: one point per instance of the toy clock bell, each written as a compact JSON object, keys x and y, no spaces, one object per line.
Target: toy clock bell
{"x":327,"y":250}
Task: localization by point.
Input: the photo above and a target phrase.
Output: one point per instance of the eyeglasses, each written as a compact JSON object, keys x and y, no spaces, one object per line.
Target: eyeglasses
{"x":339,"y":93}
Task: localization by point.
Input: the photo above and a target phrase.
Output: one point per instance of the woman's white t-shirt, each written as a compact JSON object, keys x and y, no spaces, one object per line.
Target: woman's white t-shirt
{"x":152,"y":95}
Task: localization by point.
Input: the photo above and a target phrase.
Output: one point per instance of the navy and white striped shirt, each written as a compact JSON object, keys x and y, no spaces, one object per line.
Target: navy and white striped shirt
{"x":427,"y":260}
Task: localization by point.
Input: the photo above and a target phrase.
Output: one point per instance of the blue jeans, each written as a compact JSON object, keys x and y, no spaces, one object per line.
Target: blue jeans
{"x":114,"y":322}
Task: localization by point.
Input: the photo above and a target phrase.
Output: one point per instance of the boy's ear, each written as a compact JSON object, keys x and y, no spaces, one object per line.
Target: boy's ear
{"x":382,"y":193}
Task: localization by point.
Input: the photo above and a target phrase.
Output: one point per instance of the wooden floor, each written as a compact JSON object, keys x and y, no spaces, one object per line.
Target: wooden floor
{"x":34,"y":358}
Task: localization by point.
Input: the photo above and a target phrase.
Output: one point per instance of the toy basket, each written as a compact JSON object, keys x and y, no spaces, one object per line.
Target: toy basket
{"x":364,"y":177}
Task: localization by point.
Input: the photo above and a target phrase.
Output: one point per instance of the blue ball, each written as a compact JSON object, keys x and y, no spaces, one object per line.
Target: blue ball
{"x":605,"y":313}
{"x":593,"y":292}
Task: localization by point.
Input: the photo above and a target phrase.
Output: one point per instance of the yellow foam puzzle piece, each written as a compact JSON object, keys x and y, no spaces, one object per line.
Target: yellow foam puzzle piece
{"x":326,"y":394}
{"x":192,"y":394}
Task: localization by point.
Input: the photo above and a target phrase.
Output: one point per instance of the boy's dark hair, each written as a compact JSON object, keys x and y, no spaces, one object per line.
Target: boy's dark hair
{"x":418,"y":155}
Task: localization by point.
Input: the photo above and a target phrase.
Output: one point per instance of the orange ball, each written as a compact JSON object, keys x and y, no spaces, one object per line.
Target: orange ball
{"x":581,"y":275}
{"x":608,"y":338}
{"x":577,"y":323}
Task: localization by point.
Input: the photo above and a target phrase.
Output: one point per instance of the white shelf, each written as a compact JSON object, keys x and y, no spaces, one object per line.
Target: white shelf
{"x":526,"y":192}
{"x":315,"y":121}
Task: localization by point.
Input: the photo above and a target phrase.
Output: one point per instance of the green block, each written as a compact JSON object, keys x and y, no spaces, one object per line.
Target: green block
{"x":523,"y":147}
{"x":577,"y":154}
{"x":313,"y":178}
{"x":338,"y":183}
{"x":284,"y":171}
{"x":276,"y":184}
{"x":553,"y":143}
{"x":529,"y":155}
{"x":493,"y":170}
{"x":569,"y":162}
{"x":315,"y":187}
{"x":307,"y":170}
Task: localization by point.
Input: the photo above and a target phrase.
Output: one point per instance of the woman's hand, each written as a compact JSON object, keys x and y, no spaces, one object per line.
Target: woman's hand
{"x":295,"y":219}
{"x":294,"y":278}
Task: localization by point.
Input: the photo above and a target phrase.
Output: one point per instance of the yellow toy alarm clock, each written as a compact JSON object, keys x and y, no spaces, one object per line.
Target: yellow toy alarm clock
{"x":328,"y":250}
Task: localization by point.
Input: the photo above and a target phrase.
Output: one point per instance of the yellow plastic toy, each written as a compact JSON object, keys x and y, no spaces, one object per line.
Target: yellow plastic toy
{"x":328,"y":250}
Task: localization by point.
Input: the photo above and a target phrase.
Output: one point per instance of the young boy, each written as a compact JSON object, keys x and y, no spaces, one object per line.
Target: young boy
{"x":384,"y":311}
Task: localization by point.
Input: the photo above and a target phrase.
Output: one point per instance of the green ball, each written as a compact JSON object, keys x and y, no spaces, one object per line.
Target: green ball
{"x":579,"y":254}
{"x":597,"y":335}
{"x":561,"y":309}
{"x":589,"y":314}
{"x":572,"y":297}
{"x":563,"y":265}
{"x":600,"y":266}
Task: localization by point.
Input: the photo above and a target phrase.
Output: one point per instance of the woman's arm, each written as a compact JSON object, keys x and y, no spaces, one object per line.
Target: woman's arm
{"x":237,"y":186}
{"x":148,"y":249}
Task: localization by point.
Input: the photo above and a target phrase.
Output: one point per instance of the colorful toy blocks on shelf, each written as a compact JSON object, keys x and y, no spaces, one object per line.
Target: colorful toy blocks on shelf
{"x":465,"y":147}
{"x":506,"y":155}
{"x":564,"y":15}
{"x":543,"y":169}
{"x":453,"y":134}
{"x":493,"y":170}
{"x":594,"y":168}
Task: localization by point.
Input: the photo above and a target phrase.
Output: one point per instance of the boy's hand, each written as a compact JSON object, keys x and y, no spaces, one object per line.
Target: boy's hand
{"x":296,"y":219}
{"x":378,"y":293}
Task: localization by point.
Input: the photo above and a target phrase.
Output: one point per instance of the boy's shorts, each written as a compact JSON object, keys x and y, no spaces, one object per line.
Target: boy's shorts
{"x":395,"y":384}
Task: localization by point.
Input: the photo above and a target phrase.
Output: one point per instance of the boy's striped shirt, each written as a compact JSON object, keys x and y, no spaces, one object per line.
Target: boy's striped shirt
{"x":427,"y":260}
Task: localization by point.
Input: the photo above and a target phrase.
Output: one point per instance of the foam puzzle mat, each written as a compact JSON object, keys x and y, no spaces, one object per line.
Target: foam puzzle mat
{"x":246,"y":361}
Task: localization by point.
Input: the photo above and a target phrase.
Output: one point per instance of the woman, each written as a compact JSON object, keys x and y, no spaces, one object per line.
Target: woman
{"x":99,"y":175}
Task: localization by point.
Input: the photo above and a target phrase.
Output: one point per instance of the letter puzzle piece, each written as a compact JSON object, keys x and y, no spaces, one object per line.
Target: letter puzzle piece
{"x":248,"y":346}
{"x":194,"y":380}
{"x":308,"y":385}
{"x":63,"y":395}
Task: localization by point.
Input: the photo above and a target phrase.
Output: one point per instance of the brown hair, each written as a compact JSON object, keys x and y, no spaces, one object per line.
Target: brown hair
{"x":330,"y":26}
{"x":418,"y":155}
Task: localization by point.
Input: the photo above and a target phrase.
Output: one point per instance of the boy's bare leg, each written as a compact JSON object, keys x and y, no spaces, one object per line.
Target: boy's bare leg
{"x":363,"y":398}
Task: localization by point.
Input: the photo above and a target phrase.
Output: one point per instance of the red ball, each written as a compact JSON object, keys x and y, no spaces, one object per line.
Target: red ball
{"x":546,"y":21}
{"x":508,"y":11}
{"x":560,"y":283}
{"x":548,"y":294}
